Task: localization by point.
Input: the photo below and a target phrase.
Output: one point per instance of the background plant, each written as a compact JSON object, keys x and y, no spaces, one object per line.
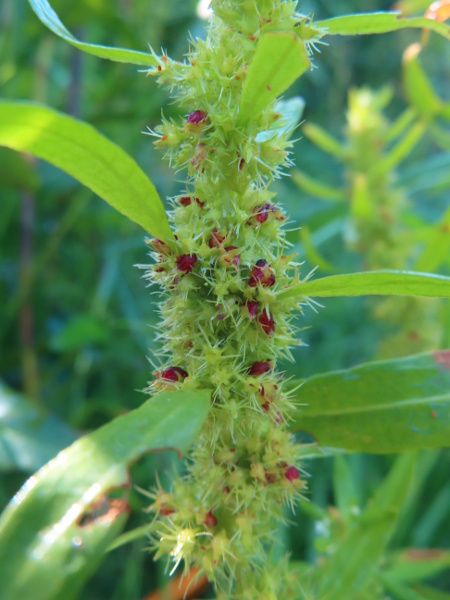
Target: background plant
{"x":329,"y":323}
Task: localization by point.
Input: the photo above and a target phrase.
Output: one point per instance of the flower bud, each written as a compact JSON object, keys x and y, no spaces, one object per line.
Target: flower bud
{"x":186,"y":262}
{"x":261,"y":273}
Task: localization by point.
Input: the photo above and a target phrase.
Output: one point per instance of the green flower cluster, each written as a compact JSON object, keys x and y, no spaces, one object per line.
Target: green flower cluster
{"x":223,"y":325}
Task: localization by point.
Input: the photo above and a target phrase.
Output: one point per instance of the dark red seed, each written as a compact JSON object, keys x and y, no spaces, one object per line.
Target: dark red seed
{"x":261,"y":273}
{"x":217,"y":238}
{"x":210,"y":520}
{"x":185,"y":200}
{"x":186,"y":262}
{"x":175,"y":374}
{"x":241,"y":164}
{"x":261,"y":212}
{"x":292,"y":474}
{"x":259,"y":367}
{"x":196,"y":117}
{"x":252,"y":307}
{"x":266,"y":406}
{"x":267,"y":322}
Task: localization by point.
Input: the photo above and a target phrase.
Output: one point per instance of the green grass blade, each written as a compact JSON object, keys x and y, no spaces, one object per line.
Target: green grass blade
{"x":82,"y":152}
{"x":56,"y":529}
{"x":379,"y":407}
{"x":51,"y":20}
{"x":372,"y":283}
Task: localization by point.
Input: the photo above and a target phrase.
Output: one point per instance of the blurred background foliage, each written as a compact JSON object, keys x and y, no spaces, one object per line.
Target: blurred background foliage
{"x":76,"y":322}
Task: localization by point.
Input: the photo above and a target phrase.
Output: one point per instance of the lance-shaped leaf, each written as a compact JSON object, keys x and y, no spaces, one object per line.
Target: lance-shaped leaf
{"x":348,"y":572}
{"x":51,"y":20}
{"x":279,"y":60}
{"x":372,"y":283}
{"x":379,"y":407}
{"x":55,"y":530}
{"x":418,"y":88}
{"x":317,"y":188}
{"x":378,"y":22}
{"x":82,"y":152}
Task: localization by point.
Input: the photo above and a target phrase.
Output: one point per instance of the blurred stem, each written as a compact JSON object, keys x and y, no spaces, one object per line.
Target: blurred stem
{"x":26,"y":319}
{"x":76,"y":73}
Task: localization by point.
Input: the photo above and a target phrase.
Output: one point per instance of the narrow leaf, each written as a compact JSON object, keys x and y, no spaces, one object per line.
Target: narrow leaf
{"x":56,"y":529}
{"x":418,"y":88}
{"x":380,"y":407}
{"x":317,"y":188}
{"x":378,"y":283}
{"x":417,"y":564}
{"x":51,"y":20}
{"x":82,"y":152}
{"x":402,"y":148}
{"x":324,"y":140}
{"x":379,"y":22}
{"x":347,"y":572}
{"x":279,"y":60}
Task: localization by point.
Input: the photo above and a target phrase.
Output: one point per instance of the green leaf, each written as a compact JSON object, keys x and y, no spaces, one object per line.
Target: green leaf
{"x":379,"y":22}
{"x":312,"y":254}
{"x":438,"y":248}
{"x":290,"y":112}
{"x":54,"y":532}
{"x":428,"y":593}
{"x":317,"y":188}
{"x":416,"y":564}
{"x":324,"y":140}
{"x":51,"y":20}
{"x":89,"y":157}
{"x":401,"y":150}
{"x":346,"y":572}
{"x":418,"y":88}
{"x":279,"y":60}
{"x":29,"y":437}
{"x":378,"y":283}
{"x":379,"y":407}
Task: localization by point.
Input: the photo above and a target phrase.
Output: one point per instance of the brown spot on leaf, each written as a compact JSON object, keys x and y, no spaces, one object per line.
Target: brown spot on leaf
{"x":104,"y":509}
{"x":434,"y":414}
{"x":443,"y":357}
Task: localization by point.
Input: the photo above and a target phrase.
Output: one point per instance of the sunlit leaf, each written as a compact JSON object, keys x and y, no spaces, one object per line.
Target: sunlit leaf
{"x":49,"y":18}
{"x":280,"y":58}
{"x":56,"y":529}
{"x":379,"y":407}
{"x":379,"y":22}
{"x":82,"y":152}
{"x":378,"y":283}
{"x":290,"y":112}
